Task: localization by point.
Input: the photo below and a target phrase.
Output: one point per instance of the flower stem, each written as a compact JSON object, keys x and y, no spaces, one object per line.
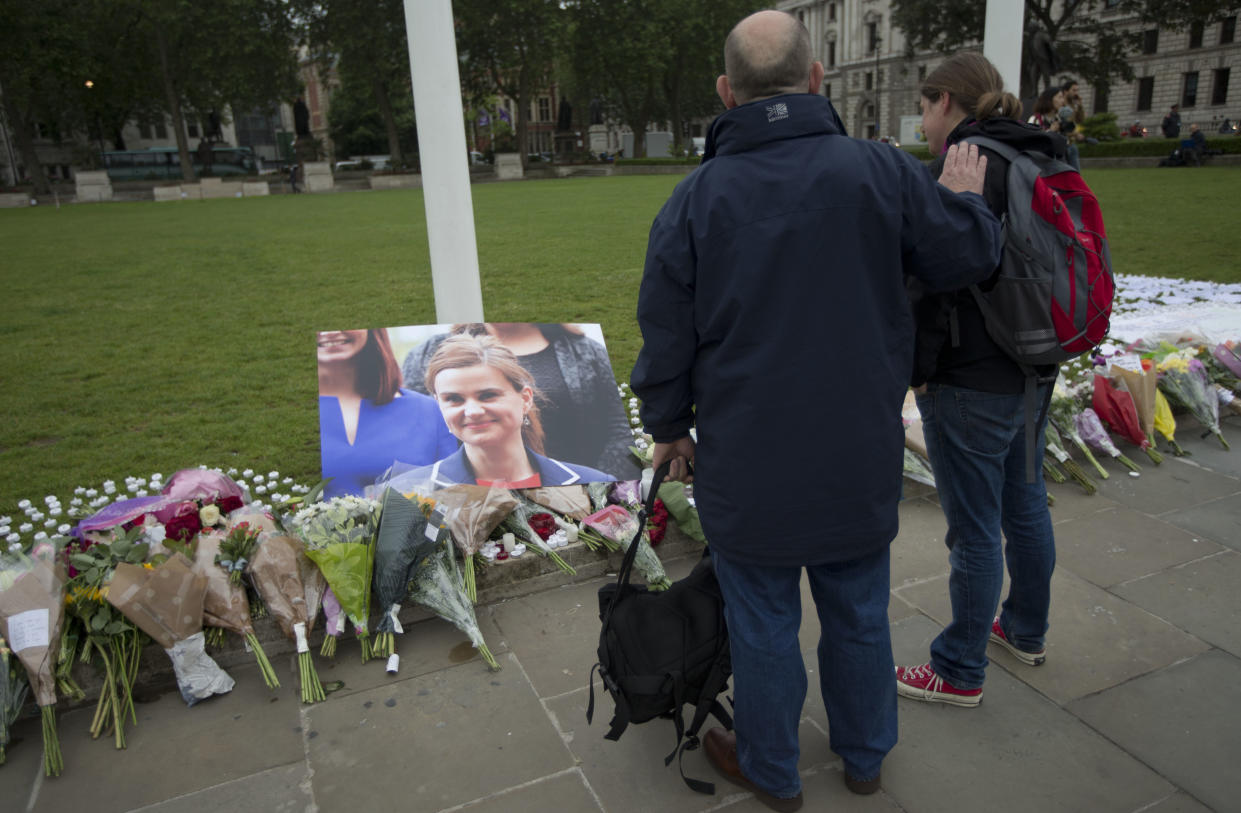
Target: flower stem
{"x":364,"y":642}
{"x":1052,"y":472}
{"x":328,"y":650}
{"x":1081,"y":444}
{"x":1079,"y":476}
{"x":1127,"y":463}
{"x":488,"y":657}
{"x":1153,"y":454}
{"x":312,"y":689}
{"x":1222,"y":442}
{"x":471,"y":586}
{"x":53,"y":762}
{"x":269,"y":674}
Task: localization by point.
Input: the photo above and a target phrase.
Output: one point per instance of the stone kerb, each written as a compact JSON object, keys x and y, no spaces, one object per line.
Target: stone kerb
{"x":508,"y":166}
{"x":319,"y":176}
{"x":14,"y":200}
{"x":396,"y":181}
{"x":167,"y":193}
{"x":255,"y":189}
{"x":93,"y":187}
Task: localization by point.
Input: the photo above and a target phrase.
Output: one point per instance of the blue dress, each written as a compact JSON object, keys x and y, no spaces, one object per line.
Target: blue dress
{"x":408,"y":429}
{"x":455,"y":468}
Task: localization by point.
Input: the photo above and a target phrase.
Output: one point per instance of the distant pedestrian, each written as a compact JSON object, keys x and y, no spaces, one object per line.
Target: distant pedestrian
{"x":1171,"y":125}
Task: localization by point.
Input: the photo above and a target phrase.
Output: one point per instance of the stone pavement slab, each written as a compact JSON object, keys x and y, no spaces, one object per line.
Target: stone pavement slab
{"x":1182,"y":721}
{"x":565,"y":792}
{"x":431,"y":742}
{"x":1200,"y":597}
{"x":248,"y":730}
{"x":1016,"y":751}
{"x":279,"y":790}
{"x":1178,"y":803}
{"x":1119,"y":545}
{"x":1096,"y":640}
{"x":1218,"y":520}
{"x":1177,"y":483}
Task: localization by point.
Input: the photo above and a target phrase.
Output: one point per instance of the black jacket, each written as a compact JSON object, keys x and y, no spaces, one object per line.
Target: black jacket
{"x":774,"y":318}
{"x":974,"y":361}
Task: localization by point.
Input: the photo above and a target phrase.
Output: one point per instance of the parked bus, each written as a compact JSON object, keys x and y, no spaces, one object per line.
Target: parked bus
{"x":165,"y":162}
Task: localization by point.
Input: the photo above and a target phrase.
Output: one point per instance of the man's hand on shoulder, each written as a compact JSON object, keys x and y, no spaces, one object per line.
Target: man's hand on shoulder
{"x":681,"y":453}
{"x":964,"y":168}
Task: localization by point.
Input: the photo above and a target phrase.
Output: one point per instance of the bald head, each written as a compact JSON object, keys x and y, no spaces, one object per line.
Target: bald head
{"x":766,"y":54}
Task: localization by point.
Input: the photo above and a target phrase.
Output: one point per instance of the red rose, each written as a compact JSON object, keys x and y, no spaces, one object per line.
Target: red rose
{"x":184,"y":525}
{"x":544,"y":525}
{"x":228,"y":504}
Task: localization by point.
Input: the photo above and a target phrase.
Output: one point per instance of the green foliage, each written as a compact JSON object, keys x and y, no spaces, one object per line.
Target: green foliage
{"x":137,"y":340}
{"x":1152,"y":146}
{"x":1101,"y":126}
{"x":357,"y":125}
{"x":674,"y":160}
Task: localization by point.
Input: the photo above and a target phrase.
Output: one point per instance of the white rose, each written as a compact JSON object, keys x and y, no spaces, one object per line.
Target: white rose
{"x":209,"y":515}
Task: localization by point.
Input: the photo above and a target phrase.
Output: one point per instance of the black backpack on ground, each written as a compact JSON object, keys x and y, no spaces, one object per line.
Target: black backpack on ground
{"x":659,"y":651}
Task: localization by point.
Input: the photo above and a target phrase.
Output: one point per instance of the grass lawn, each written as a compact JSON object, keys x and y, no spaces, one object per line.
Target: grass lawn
{"x":146,"y":337}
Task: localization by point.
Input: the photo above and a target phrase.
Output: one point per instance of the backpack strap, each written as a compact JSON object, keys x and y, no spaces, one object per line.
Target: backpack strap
{"x":1005,"y":151}
{"x":648,"y":509}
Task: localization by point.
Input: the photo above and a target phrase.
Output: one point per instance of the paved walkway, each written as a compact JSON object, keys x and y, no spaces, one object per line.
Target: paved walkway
{"x":1138,"y":707}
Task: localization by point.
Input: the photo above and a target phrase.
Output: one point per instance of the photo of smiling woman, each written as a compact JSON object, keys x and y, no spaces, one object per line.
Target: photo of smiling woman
{"x":367,"y":421}
{"x":490,"y":403}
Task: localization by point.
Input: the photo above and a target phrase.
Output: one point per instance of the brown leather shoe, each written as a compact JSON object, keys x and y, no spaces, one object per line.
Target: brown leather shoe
{"x":721,"y":748}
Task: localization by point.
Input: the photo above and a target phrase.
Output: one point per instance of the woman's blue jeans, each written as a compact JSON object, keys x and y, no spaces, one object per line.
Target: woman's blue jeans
{"x":976,"y":443}
{"x":762,"y":606}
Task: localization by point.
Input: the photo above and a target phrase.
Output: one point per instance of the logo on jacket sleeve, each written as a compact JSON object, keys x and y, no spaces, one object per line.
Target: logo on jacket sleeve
{"x":776,"y":112}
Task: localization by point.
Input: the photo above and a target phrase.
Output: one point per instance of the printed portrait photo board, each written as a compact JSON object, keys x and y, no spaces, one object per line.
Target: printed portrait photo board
{"x":515,"y":405}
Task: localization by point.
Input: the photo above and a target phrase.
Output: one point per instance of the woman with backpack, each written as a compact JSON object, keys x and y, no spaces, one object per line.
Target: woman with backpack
{"x":972,"y":398}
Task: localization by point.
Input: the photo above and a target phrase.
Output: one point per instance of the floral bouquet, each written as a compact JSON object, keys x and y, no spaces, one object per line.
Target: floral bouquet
{"x":916,"y":468}
{"x":105,"y":631}
{"x":333,"y":624}
{"x":405,"y":539}
{"x":1165,"y":423}
{"x":32,"y":609}
{"x":166,"y":602}
{"x":279,"y":572}
{"x":518,"y":523}
{"x":1116,"y":403}
{"x":1228,"y":357}
{"x":13,"y":690}
{"x":1227,"y":399}
{"x":225,"y":604}
{"x":198,"y":499}
{"x":567,"y":501}
{"x":1185,"y":380}
{"x":1091,"y":429}
{"x":1054,"y":447}
{"x":1063,"y":412}
{"x":675,"y":498}
{"x":339,"y":535}
{"x":471,"y":513}
{"x":435,"y":587}
{"x":618,"y":524}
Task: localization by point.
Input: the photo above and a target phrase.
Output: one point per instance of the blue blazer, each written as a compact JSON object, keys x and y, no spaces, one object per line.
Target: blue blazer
{"x":456,"y":469}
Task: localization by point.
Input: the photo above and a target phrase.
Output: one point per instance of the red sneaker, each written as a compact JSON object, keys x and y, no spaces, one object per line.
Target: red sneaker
{"x":921,"y":683}
{"x":1028,"y":658}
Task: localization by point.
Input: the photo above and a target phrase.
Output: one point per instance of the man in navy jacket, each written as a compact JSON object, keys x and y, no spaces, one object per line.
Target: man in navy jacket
{"x":775,"y":321}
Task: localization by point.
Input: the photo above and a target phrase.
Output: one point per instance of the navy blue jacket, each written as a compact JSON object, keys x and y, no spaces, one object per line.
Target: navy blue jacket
{"x":774,"y":318}
{"x":456,"y":469}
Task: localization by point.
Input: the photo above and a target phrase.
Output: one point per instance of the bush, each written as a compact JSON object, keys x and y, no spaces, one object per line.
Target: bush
{"x":1102,"y":126}
{"x":659,"y":162}
{"x":1151,"y":147}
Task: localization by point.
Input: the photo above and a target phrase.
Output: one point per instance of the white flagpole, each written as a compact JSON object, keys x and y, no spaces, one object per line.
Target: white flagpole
{"x":444,"y":152}
{"x":1002,"y":40}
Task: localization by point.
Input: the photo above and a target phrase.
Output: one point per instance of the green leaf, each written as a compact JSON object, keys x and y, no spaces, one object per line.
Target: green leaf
{"x":114,"y":628}
{"x":98,"y":621}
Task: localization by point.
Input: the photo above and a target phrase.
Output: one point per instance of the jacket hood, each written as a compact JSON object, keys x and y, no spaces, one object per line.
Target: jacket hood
{"x":1018,"y":135}
{"x":791,"y":115}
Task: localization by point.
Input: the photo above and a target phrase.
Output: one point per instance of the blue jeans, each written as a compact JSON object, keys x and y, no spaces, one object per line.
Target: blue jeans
{"x":976,"y":443}
{"x":762,"y":606}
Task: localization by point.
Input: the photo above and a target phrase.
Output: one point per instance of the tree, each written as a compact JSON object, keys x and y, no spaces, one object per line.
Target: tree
{"x":508,"y":46}
{"x":357,"y":126}
{"x":367,"y":43}
{"x":1061,"y":36}
{"x":620,"y":50}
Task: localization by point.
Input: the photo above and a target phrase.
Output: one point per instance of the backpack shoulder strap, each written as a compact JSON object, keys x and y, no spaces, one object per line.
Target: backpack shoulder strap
{"x":1007,"y":152}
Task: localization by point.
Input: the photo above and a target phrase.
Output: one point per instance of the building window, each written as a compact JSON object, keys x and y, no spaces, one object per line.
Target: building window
{"x":144,"y":132}
{"x":872,"y":37}
{"x":1195,"y":34}
{"x":1150,"y":43}
{"x":801,"y":17}
{"x":922,"y":73}
{"x":1100,"y":99}
{"x":545,"y":109}
{"x":1219,"y":86}
{"x":1189,"y":96}
{"x":831,"y":11}
{"x":1111,"y":3}
{"x":191,"y":129}
{"x":1228,"y":30}
{"x":831,"y":54}
{"x":1146,"y":91}
{"x":870,"y":131}
{"x":827,"y":89}
{"x":161,"y":131}
{"x":869,"y":81}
